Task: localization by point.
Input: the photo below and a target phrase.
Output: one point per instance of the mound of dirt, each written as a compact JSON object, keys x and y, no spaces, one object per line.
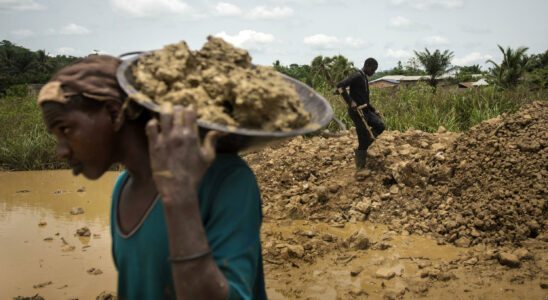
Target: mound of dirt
{"x":485,"y":186}
{"x":221,"y":84}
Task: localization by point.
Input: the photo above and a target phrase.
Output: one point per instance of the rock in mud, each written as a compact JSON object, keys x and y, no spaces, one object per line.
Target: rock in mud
{"x":355,"y":271}
{"x":76,"y":211}
{"x":41,"y":285}
{"x":322,"y":193}
{"x":508,"y":259}
{"x":522,"y":254}
{"x":107,"y":296}
{"x":94,"y":271}
{"x":35,"y":297}
{"x":385,"y":273}
{"x":84,"y":231}
{"x":296,"y":251}
{"x":462,"y":242}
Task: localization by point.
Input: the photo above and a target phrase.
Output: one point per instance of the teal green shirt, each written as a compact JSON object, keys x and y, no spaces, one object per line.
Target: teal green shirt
{"x":230,"y":206}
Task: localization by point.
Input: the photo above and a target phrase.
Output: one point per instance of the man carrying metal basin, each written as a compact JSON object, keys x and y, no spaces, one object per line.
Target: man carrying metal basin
{"x":185,"y":218}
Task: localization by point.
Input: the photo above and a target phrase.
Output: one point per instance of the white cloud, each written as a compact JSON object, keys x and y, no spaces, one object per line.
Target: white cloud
{"x":73,"y":29}
{"x":22,"y":33}
{"x":261,"y":12}
{"x":399,"y":22}
{"x":64,"y":51}
{"x":402,"y":23}
{"x":326,"y":42}
{"x":322,"y":41}
{"x":475,"y":30}
{"x":398,"y":53}
{"x":427,"y":4}
{"x":227,"y":9}
{"x":436,"y":40}
{"x":353,"y":42}
{"x":69,"y":29}
{"x":309,"y":1}
{"x":471,"y":58}
{"x":150,"y":8}
{"x":19,"y":5}
{"x":247,"y":39}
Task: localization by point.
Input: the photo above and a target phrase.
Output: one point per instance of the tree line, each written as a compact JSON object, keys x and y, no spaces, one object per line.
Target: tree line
{"x":516,"y":66}
{"x":19,"y":65}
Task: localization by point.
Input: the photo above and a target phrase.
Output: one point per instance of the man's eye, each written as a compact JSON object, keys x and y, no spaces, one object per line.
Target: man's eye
{"x":64,"y":130}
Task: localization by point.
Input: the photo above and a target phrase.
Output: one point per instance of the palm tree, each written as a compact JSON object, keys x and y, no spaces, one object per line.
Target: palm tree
{"x":42,"y":62}
{"x":514,"y":64}
{"x":340,"y":68}
{"x":435,"y":64}
{"x":320,"y":66}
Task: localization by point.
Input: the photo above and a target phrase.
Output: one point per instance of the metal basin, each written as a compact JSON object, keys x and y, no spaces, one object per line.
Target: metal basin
{"x":244,"y":139}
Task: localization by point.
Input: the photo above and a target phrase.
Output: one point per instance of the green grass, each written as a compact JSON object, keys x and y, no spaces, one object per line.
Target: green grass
{"x":456,"y":110}
{"x":24,"y":141}
{"x":26,"y":145}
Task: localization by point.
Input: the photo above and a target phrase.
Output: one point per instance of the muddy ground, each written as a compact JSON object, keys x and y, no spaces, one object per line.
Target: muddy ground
{"x":432,"y":215}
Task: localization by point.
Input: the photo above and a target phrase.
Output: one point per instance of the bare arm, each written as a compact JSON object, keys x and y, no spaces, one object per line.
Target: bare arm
{"x":179,"y":162}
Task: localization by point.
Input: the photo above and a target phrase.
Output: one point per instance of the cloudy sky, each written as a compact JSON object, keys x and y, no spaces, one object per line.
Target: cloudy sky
{"x":292,"y":31}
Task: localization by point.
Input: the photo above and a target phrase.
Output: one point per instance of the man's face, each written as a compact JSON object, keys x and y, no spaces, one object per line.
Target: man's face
{"x":84,"y":140}
{"x":369,"y":70}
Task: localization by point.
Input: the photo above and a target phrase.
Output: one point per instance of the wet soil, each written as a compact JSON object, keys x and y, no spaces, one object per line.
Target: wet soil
{"x":222,"y":85}
{"x":483,"y":192}
{"x":435,"y":216}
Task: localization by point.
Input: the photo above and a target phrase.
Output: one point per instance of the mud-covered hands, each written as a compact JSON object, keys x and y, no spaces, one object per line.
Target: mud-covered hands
{"x":178,"y":159}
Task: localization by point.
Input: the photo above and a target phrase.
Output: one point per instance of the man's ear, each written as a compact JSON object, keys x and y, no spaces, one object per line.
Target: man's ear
{"x":116,"y":114}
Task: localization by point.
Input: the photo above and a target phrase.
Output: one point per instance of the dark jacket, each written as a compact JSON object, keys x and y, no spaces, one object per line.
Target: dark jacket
{"x":359,"y":88}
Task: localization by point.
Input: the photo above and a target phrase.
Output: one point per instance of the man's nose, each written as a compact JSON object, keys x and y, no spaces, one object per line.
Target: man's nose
{"x":63,"y":150}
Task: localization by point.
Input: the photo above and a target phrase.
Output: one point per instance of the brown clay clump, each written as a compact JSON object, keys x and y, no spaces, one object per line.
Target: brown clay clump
{"x":222,"y":85}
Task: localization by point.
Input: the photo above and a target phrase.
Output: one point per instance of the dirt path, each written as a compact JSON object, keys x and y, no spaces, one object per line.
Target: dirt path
{"x":461,"y":214}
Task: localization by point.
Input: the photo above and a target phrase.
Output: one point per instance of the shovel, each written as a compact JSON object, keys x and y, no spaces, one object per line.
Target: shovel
{"x":360,"y":112}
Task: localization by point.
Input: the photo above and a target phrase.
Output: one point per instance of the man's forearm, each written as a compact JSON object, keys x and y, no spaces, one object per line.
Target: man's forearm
{"x":198,"y":278}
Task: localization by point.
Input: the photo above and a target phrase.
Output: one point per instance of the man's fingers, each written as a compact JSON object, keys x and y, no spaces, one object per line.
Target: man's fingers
{"x":210,"y":142}
{"x":166,"y":117}
{"x":177,"y":116}
{"x":152,"y":131}
{"x":189,"y":121}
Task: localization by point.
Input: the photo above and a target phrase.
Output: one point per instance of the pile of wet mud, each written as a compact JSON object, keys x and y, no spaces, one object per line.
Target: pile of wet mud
{"x":485,"y":186}
{"x":221,"y":84}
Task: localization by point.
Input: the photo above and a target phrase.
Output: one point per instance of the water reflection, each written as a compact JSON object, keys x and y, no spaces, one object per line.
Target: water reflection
{"x":31,"y":254}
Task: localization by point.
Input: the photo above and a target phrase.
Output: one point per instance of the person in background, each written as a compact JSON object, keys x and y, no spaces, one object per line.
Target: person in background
{"x":359,"y":95}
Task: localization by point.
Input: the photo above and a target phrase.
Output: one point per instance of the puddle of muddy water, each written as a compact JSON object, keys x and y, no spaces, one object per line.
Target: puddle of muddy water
{"x":329,"y":276}
{"x":33,"y":254}
{"x":26,"y":259}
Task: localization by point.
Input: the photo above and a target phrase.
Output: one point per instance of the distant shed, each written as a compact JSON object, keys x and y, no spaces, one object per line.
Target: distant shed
{"x":383,"y":83}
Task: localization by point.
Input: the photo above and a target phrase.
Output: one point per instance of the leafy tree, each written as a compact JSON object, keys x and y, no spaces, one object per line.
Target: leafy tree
{"x":513,"y":66}
{"x":435,"y":64}
{"x":473,"y":69}
{"x":537,"y":61}
{"x":340,"y":69}
{"x":42,"y":62}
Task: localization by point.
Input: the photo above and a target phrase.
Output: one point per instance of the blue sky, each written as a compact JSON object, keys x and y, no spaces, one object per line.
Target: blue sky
{"x":292,"y":31}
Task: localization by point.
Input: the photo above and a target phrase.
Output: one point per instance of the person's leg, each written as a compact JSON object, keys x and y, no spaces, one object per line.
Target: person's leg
{"x":364,"y":139}
{"x":376,"y":123}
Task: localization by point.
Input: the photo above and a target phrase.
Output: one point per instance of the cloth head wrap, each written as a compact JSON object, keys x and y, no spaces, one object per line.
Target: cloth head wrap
{"x":93,"y":77}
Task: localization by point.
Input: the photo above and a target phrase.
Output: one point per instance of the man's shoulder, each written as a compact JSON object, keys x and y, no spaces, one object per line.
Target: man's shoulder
{"x":226,"y":165}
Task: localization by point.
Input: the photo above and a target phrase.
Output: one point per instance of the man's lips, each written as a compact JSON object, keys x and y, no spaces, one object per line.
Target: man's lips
{"x":76,"y":168}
